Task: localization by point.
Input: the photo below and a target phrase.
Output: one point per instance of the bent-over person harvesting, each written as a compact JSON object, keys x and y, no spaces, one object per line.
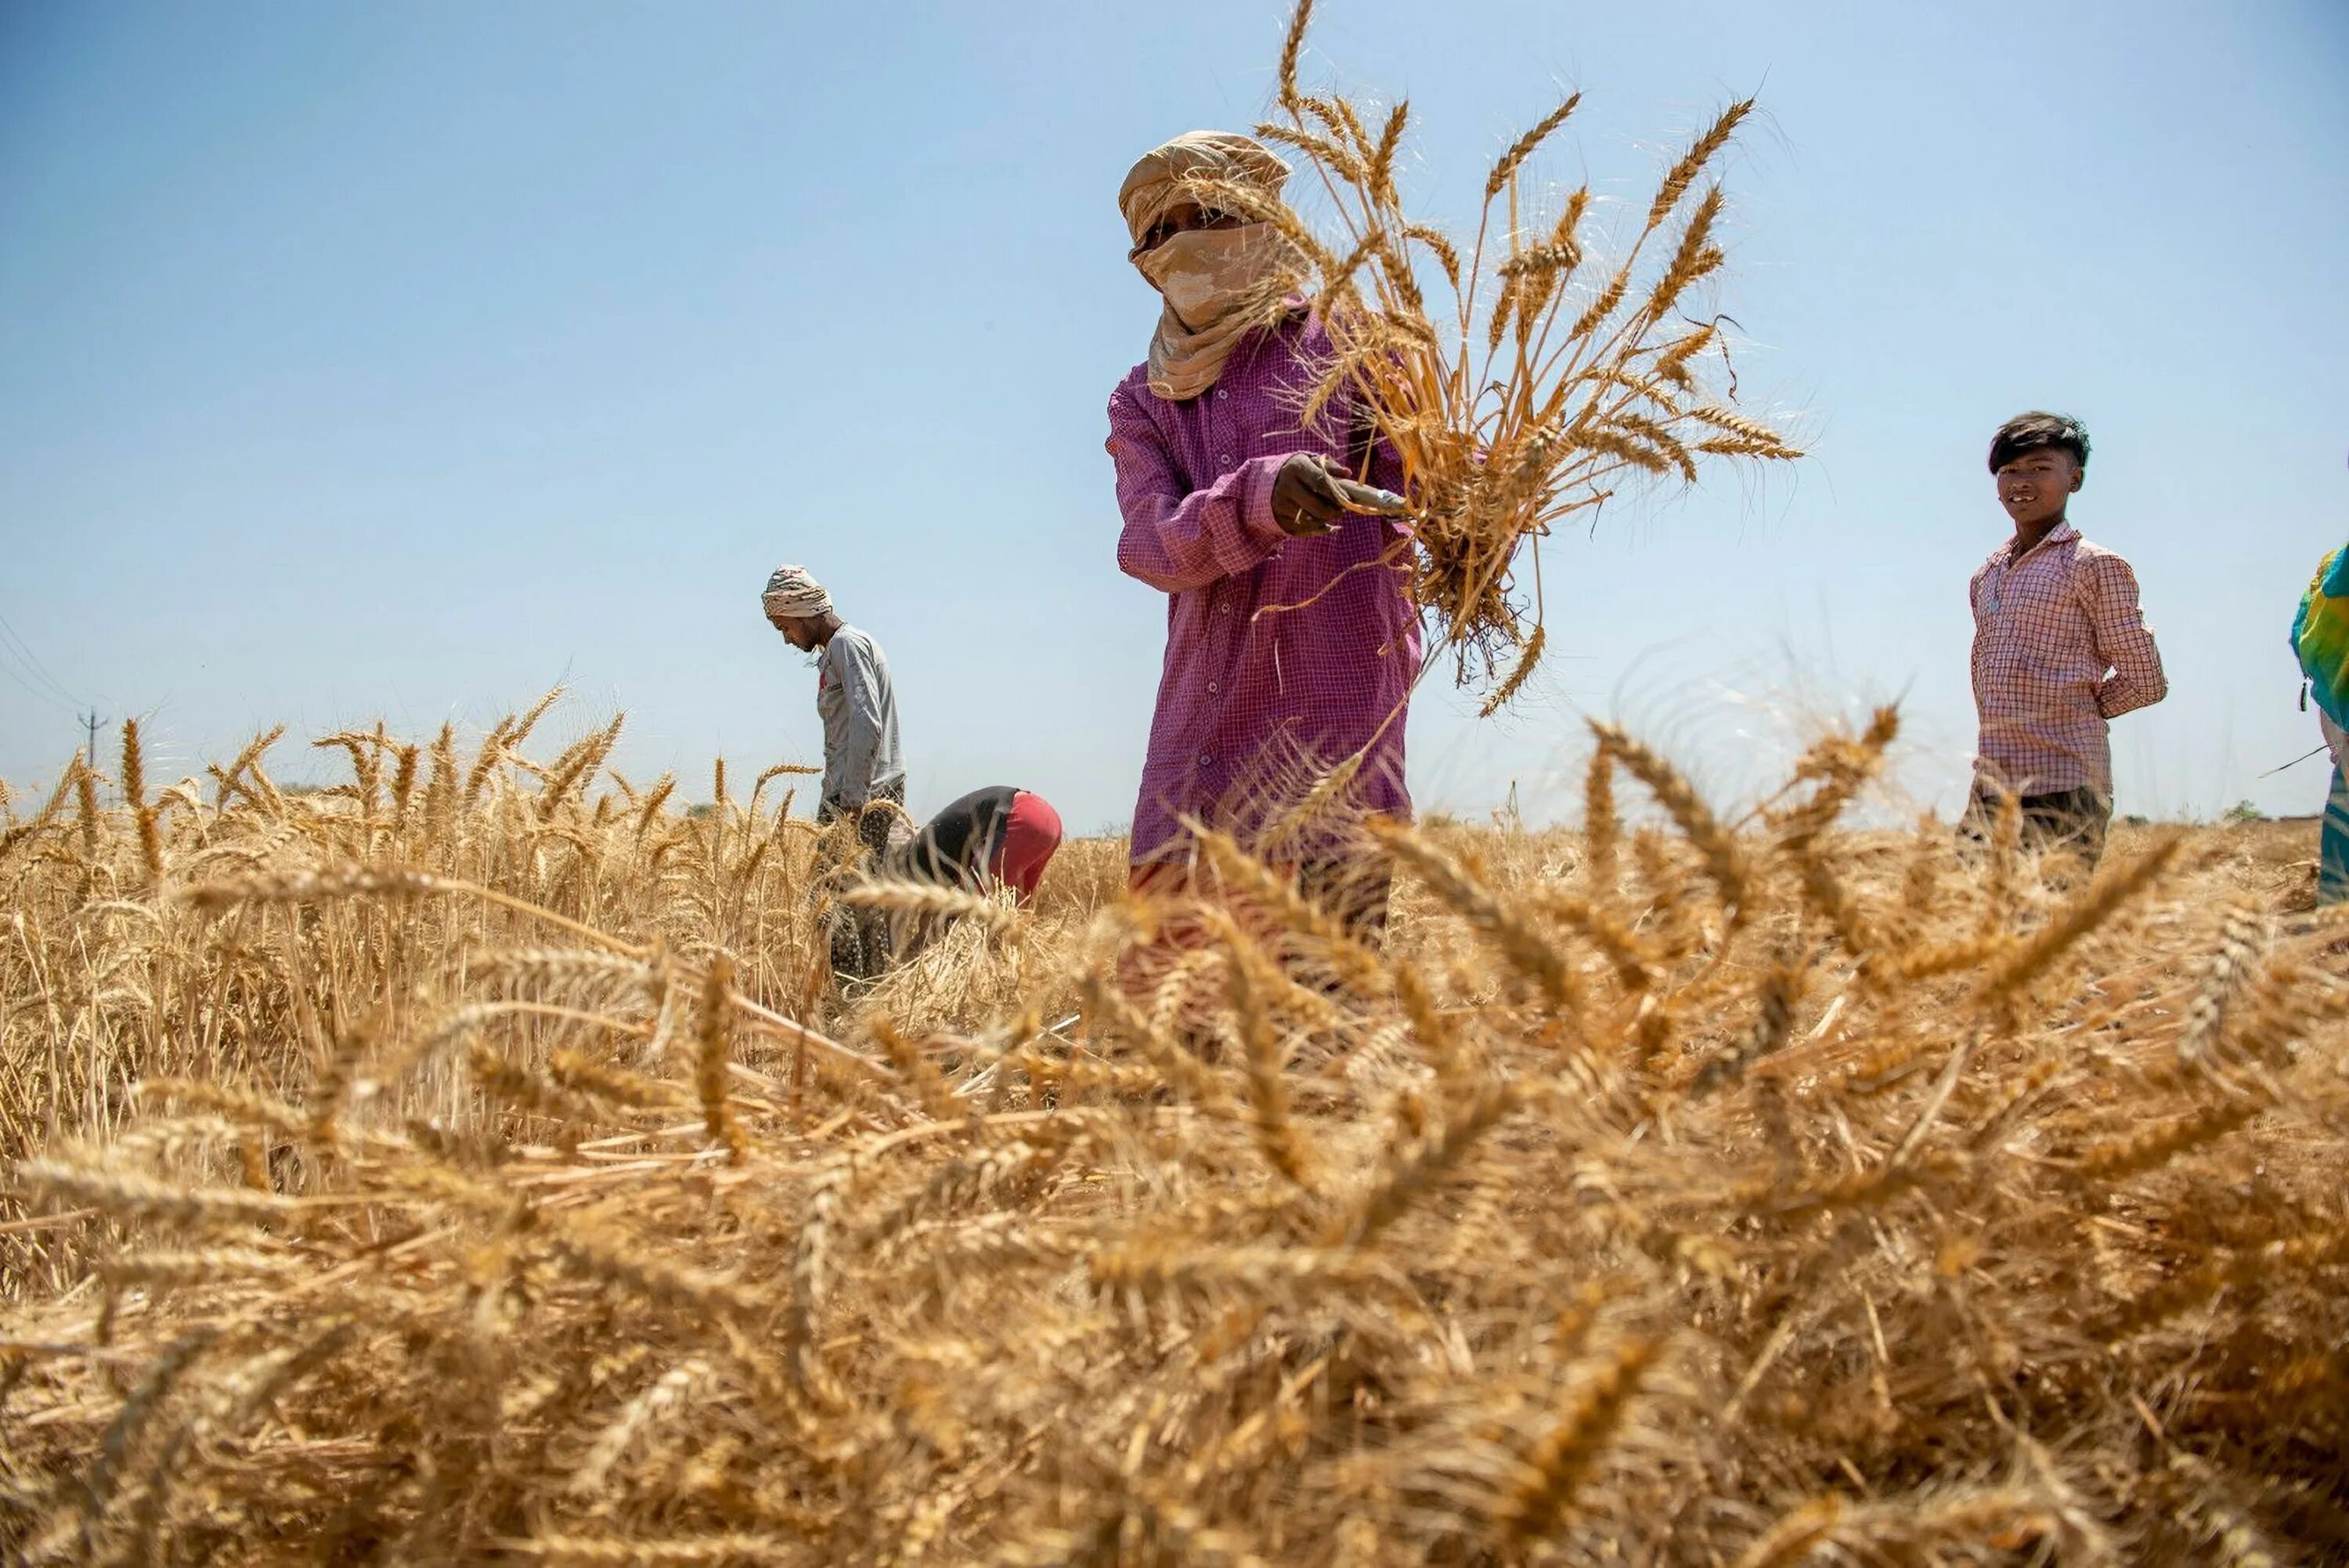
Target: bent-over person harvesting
{"x":994,"y":837}
{"x":989,"y":840}
{"x":1291,"y":642}
{"x":2061,"y":648}
{"x":863,"y":773}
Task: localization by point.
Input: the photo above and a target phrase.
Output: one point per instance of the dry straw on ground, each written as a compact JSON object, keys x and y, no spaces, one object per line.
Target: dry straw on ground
{"x":471,"y":1166}
{"x":1527,"y":370}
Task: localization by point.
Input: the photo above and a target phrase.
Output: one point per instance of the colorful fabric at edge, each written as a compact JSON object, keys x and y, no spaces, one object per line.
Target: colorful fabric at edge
{"x":2332,"y":844}
{"x":2320,"y":635}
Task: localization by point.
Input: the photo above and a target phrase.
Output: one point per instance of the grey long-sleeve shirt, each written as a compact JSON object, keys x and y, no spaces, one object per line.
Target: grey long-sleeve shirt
{"x":854,"y":697}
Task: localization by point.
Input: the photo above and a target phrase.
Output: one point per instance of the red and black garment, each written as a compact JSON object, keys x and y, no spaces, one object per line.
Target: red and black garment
{"x":1000,"y":836}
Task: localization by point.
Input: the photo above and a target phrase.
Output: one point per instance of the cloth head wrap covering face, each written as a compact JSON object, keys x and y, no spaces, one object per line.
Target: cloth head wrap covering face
{"x":791,"y":592}
{"x":1218,"y":283}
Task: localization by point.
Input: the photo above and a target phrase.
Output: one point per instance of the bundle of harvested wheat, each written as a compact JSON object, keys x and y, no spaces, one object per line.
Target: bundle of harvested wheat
{"x":1535,"y":395}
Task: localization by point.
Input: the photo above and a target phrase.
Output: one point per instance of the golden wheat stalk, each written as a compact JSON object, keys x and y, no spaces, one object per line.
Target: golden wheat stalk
{"x":1536,"y":399}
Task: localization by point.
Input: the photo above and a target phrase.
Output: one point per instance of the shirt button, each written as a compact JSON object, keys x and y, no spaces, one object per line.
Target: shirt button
{"x":1213,"y":689}
{"x":1228,"y":458}
{"x":1224,"y":610}
{"x":1206,"y":762}
{"x":1221,"y":393}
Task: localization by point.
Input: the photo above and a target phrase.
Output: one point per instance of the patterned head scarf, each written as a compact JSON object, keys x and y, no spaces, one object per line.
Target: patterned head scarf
{"x":1218,"y":284}
{"x":791,"y":592}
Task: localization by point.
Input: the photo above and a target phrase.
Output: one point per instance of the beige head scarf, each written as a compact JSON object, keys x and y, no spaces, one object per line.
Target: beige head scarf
{"x":791,"y":592}
{"x":1218,"y":283}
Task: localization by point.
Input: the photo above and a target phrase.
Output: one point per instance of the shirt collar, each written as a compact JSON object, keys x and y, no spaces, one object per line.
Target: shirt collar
{"x":2062,"y":533}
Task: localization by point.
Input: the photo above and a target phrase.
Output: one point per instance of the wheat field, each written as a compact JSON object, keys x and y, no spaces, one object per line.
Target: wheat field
{"x":473,"y":1163}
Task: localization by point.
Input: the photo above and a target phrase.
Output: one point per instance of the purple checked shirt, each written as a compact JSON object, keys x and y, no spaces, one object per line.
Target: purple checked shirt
{"x":1281,"y":653}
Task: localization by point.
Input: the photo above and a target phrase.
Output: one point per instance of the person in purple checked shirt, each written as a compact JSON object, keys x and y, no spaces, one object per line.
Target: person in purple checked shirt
{"x":1291,"y":641}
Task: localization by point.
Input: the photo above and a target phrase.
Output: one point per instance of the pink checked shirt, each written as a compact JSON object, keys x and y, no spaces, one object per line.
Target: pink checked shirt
{"x":1281,"y":654}
{"x":2060,"y":646}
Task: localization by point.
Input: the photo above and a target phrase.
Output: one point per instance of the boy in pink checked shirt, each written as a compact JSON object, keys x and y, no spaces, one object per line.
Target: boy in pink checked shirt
{"x":2060,"y":647}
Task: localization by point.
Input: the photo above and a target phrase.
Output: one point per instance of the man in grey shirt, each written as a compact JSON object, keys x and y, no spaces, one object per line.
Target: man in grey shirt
{"x":862,"y":766}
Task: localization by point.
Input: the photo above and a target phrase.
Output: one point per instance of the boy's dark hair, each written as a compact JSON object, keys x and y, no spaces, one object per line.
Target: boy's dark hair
{"x":2036,"y":430}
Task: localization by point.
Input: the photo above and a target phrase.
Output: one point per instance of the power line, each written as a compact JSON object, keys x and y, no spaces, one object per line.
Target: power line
{"x":30,"y":689}
{"x":10,"y":640}
{"x":15,"y":644}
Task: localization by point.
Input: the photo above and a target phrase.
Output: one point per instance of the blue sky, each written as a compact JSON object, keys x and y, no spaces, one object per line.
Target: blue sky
{"x":370,"y":360}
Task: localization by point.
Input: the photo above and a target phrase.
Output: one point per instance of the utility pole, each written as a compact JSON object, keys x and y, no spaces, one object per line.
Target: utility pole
{"x":89,"y":758}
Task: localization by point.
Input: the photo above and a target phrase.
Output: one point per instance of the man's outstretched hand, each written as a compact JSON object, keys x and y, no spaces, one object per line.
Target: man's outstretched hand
{"x":1312,"y":493}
